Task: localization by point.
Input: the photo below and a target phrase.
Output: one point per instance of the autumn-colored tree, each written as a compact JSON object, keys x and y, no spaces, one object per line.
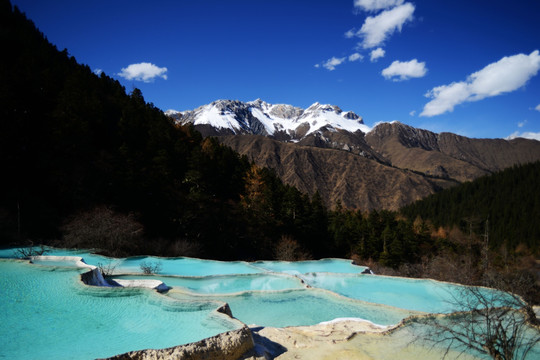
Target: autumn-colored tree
{"x":255,"y":198}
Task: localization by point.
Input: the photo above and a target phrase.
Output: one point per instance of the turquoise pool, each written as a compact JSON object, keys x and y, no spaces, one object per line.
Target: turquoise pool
{"x":45,"y":304}
{"x":189,"y":267}
{"x":47,"y":313}
{"x":227,"y":284}
{"x":423,"y":295}
{"x":311,"y":266}
{"x":412,"y":294}
{"x":302,"y":307}
{"x":181,"y":266}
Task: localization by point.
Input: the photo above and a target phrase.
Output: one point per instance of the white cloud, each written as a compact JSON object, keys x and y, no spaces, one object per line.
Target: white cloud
{"x":376,"y":29}
{"x":506,"y":75}
{"x":537,"y":108}
{"x":376,"y":54}
{"x":331,"y":64}
{"x":445,"y":97}
{"x":351,"y":33}
{"x":355,"y":56}
{"x":144,"y":71}
{"x":522,"y":123}
{"x":373,"y":5}
{"x":525,"y":135}
{"x":412,"y":113}
{"x":98,"y":71}
{"x":399,"y":71}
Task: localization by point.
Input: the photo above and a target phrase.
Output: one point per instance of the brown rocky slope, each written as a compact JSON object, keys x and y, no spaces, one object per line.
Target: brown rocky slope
{"x":358,"y":182}
{"x":448,"y":155}
{"x":391,"y":166}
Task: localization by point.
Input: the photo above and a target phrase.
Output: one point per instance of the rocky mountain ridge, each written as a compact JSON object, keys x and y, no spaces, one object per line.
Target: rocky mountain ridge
{"x":447,"y":155}
{"x":323,"y":149}
{"x":282,"y":121}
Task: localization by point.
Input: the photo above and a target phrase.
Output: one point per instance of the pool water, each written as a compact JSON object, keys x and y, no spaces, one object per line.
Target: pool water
{"x":188,"y":266}
{"x":302,"y":307}
{"x":412,"y":294}
{"x":311,"y":266}
{"x":226,"y":284}
{"x":46,"y":305}
{"x":425,"y":295}
{"x":48,"y":313}
{"x":181,"y":266}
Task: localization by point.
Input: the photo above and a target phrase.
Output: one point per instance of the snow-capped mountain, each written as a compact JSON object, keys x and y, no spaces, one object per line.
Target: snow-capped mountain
{"x":326,"y":150}
{"x":261,"y":118}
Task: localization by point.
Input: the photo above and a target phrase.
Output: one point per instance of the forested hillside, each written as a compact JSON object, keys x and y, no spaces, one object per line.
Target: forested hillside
{"x":87,"y":165}
{"x":76,"y":146}
{"x":509,"y":201}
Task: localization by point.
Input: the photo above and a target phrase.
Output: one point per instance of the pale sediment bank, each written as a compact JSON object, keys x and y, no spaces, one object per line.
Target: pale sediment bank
{"x":94,"y":277}
{"x":345,"y":339}
{"x":75,"y":260}
{"x":322,"y":341}
{"x":157,"y":285}
{"x":231,"y":345}
{"x":328,"y":340}
{"x":91,"y":277}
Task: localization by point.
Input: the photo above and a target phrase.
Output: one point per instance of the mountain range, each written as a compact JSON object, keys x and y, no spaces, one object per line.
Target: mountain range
{"x":326,"y":150}
{"x":281,"y":121}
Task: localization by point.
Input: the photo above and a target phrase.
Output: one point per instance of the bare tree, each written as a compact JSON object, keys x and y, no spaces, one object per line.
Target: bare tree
{"x":103,"y":228}
{"x":288,"y":249}
{"x":150,"y":267}
{"x":29,"y":251}
{"x":488,"y":321}
{"x":107,"y":269}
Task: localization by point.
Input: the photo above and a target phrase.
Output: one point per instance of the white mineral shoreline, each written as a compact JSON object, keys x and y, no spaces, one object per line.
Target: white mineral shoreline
{"x":77,"y":260}
{"x":97,"y":279}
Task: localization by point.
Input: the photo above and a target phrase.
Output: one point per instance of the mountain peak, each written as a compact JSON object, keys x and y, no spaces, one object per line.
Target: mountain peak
{"x":321,"y":108}
{"x":261,"y":118}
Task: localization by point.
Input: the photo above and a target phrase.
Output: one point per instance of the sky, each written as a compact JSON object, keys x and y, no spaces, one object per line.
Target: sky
{"x":465,"y":66}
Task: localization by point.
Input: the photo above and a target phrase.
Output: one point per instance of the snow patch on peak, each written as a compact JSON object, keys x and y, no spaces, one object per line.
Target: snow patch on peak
{"x":258,"y":103}
{"x":172,"y":112}
{"x":260,"y":117}
{"x":333,"y":118}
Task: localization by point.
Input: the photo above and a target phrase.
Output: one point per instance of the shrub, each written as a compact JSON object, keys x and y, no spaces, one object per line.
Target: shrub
{"x":107,"y":269}
{"x":151,"y":267}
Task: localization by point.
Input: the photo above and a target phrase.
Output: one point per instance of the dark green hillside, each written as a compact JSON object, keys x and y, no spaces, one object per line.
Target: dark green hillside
{"x":510,"y":200}
{"x":86,"y":164}
{"x":71,"y":139}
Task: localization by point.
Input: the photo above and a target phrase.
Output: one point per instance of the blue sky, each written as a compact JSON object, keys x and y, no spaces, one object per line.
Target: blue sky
{"x":464,"y":66}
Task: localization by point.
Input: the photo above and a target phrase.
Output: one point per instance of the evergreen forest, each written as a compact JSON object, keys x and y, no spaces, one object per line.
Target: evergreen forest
{"x":504,"y":206}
